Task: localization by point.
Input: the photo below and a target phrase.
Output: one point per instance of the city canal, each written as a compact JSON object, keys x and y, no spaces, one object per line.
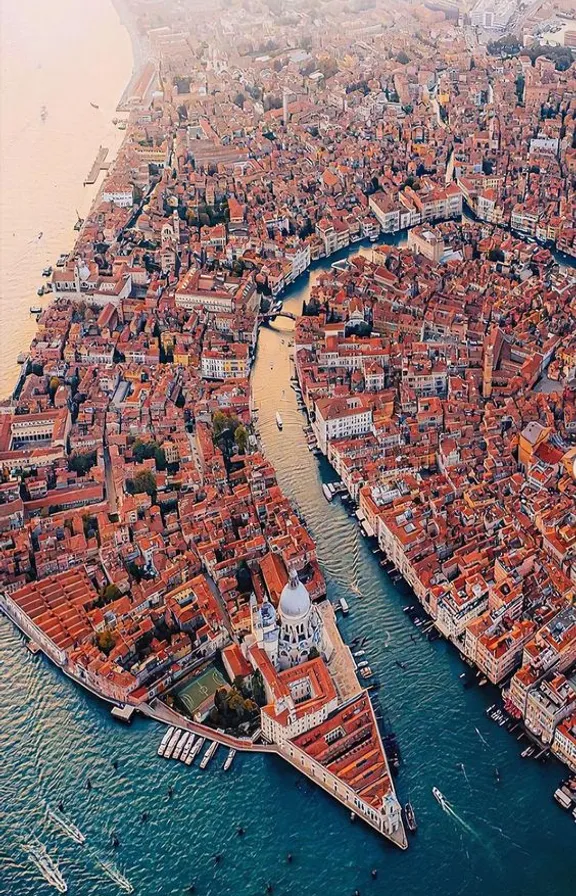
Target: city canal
{"x":508,"y":837}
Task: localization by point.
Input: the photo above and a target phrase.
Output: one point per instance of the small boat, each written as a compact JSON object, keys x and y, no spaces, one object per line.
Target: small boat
{"x":410,"y":817}
{"x":35,"y":309}
{"x":344,"y":606}
{"x":326,"y":492}
{"x":67,"y":826}
{"x":527,"y":752}
{"x":43,"y":113}
{"x":209,"y":754}
{"x":366,"y":672}
{"x":40,"y":291}
{"x":279,"y":423}
{"x":482,"y":682}
{"x":47,"y":867}
{"x":116,"y":876}
{"x":121,"y":125}
{"x":363,"y":664}
{"x":439,"y":797}
{"x":497,"y":774}
{"x":401,"y":665}
{"x":359,"y":653}
{"x":165,"y":740}
{"x":229,"y":759}
{"x":95,"y":105}
{"x":47,"y":271}
{"x":195,"y":750}
{"x":41,"y":234}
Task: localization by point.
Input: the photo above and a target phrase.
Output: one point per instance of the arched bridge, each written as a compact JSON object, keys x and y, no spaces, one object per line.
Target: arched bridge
{"x":270,"y":315}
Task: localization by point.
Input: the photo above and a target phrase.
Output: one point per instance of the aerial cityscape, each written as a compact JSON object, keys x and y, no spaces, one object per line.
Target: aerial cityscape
{"x":288,"y":447}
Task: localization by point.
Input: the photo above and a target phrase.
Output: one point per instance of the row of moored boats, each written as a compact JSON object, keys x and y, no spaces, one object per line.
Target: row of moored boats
{"x":185,"y":746}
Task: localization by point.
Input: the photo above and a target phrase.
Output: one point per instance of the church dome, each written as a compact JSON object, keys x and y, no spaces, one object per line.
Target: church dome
{"x":294,"y":600}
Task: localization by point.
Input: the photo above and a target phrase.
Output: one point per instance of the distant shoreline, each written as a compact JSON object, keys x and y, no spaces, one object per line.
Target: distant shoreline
{"x":140,"y":48}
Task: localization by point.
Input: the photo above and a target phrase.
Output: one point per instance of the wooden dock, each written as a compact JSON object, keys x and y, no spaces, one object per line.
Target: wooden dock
{"x":99,"y":164}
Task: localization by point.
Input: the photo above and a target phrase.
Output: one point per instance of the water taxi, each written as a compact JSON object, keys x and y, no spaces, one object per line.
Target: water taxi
{"x":279,"y":423}
{"x":209,"y":754}
{"x":165,"y":740}
{"x":229,"y":759}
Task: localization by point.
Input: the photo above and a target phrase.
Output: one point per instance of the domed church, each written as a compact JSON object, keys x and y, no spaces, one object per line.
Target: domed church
{"x":289,"y":634}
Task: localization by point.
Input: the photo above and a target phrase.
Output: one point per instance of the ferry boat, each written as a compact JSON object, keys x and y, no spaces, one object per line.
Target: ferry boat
{"x":187,"y":749}
{"x":45,"y":865}
{"x":279,"y":423}
{"x":165,"y":740}
{"x":172,"y":743}
{"x":229,"y":759}
{"x":344,"y":606}
{"x":410,"y":817}
{"x":439,"y":797}
{"x":180,"y":745}
{"x":195,"y":750}
{"x":209,"y":754}
{"x":67,"y":826}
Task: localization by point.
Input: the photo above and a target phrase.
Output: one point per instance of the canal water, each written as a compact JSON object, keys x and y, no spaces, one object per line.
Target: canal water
{"x":508,"y":837}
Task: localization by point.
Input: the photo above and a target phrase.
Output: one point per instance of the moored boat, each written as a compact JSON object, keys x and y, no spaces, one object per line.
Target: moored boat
{"x":209,"y":754}
{"x":279,"y":423}
{"x":229,"y":759}
{"x":410,"y":817}
{"x":165,"y":741}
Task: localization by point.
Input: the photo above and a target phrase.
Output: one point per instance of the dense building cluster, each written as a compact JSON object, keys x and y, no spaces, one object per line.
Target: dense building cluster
{"x":142,"y":529}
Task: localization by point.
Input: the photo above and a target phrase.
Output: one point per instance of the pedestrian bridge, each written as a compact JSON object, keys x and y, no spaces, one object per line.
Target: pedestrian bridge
{"x":270,"y":315}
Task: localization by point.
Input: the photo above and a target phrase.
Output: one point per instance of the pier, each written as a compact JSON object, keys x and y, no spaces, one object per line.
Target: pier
{"x":99,"y":164}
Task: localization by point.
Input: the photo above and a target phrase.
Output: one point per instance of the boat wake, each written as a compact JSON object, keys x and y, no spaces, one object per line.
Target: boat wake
{"x":47,"y":867}
{"x":68,"y":827}
{"x":483,"y":739}
{"x":115,"y":875}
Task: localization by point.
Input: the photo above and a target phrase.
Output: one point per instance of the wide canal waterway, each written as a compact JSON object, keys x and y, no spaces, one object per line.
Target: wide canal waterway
{"x":508,"y":837}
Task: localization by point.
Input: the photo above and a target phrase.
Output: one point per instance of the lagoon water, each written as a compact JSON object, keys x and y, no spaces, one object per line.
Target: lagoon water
{"x":501,"y":838}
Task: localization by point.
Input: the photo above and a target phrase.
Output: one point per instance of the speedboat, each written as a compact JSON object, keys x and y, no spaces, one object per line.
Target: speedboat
{"x":439,"y":797}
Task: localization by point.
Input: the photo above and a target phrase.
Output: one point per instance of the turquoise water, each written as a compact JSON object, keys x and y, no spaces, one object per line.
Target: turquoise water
{"x":508,"y":838}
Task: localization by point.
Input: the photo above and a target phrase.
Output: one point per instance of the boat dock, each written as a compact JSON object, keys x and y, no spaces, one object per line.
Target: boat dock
{"x":123,"y":713}
{"x":99,"y":164}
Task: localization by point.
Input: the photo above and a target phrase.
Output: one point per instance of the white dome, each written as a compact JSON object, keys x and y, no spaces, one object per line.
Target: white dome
{"x":294,"y":600}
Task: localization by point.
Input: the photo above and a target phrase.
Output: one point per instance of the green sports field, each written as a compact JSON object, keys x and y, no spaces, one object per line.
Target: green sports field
{"x":196,"y":691}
